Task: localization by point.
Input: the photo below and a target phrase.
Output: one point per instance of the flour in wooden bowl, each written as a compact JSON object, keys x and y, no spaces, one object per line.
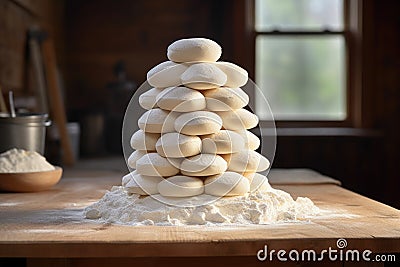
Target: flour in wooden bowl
{"x":19,"y":161}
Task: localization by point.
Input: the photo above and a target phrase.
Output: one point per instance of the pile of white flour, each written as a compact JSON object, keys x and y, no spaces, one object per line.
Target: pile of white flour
{"x":19,"y":160}
{"x":265,"y":207}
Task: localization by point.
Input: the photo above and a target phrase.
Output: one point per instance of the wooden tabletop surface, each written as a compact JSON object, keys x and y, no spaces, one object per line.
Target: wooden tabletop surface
{"x":51,"y":224}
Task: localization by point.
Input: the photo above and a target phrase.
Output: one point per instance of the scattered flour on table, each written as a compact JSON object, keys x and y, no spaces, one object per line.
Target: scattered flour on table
{"x":266,"y":207}
{"x":19,"y":160}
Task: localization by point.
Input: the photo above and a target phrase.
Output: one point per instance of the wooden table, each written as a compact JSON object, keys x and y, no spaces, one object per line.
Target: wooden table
{"x":48,"y":229}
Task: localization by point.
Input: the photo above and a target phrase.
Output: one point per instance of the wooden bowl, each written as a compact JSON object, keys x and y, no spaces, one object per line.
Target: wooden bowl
{"x":30,"y":181}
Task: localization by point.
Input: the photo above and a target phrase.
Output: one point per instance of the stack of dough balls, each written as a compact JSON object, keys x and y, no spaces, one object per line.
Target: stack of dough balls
{"x":194,"y":137}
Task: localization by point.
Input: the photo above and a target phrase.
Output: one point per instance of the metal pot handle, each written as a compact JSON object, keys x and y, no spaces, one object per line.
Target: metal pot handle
{"x":47,"y":123}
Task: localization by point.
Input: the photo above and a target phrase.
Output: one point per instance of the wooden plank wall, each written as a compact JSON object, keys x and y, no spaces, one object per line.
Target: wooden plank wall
{"x":357,"y":161}
{"x":385,"y":83}
{"x":101,"y":32}
{"x":16,"y":16}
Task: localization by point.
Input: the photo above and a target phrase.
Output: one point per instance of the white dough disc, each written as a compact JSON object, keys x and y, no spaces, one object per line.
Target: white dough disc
{"x":147,"y":100}
{"x":198,"y":123}
{"x":248,"y":175}
{"x":251,"y":140}
{"x":166,"y":74}
{"x":258,"y":182}
{"x":141,"y":140}
{"x":176,"y":145}
{"x":225,"y":99}
{"x":222,"y":142}
{"x":126,"y":178}
{"x":203,"y":165}
{"x":194,"y":49}
{"x":246,"y":161}
{"x":226,"y":184}
{"x":152,"y":164}
{"x":181,"y":99}
{"x":142,"y":184}
{"x":203,"y":76}
{"x":238,"y":119}
{"x":157,"y":121}
{"x":181,"y":186}
{"x":236,"y":76}
{"x":137,"y":154}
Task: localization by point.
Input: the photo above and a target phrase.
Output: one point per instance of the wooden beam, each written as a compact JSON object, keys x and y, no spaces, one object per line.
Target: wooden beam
{"x":56,"y":102}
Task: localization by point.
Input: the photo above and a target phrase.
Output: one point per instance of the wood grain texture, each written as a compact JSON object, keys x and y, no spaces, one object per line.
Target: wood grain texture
{"x":56,"y":102}
{"x":16,"y":17}
{"x":137,"y":32}
{"x":29,"y":181}
{"x":13,"y":25}
{"x":248,"y":261}
{"x":51,"y":224}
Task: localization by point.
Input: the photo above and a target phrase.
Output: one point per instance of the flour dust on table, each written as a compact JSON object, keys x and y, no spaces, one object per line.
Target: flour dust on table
{"x":195,"y":158}
{"x":261,"y":207}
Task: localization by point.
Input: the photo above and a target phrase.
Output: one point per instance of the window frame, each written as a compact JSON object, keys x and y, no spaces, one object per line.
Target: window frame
{"x":352,"y":38}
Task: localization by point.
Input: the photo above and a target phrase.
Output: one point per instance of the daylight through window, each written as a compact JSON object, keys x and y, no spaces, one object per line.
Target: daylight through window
{"x":301,"y":59}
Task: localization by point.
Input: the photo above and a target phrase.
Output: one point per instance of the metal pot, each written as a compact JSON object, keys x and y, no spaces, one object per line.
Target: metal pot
{"x":25,"y":131}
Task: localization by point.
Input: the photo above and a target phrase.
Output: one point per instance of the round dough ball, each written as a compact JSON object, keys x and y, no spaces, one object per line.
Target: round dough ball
{"x":222,"y":142}
{"x":226,"y":184}
{"x":176,"y":162}
{"x":176,"y":145}
{"x":181,"y":186}
{"x":157,"y":121}
{"x":236,"y":76}
{"x":147,"y":100}
{"x":181,"y":99}
{"x":194,"y":49}
{"x":258,"y":182}
{"x":166,"y":74}
{"x":133,"y":158}
{"x":248,"y":175}
{"x":203,"y":165}
{"x":238,"y":119}
{"x":225,"y":99}
{"x":153,"y":164}
{"x":141,"y":140}
{"x":246,"y":161}
{"x":203,"y":76}
{"x":142,"y":184}
{"x":198,"y":123}
{"x":126,"y":178}
{"x":251,"y":140}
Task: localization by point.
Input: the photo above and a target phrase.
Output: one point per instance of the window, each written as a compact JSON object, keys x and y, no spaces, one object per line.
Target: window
{"x":300,"y":59}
